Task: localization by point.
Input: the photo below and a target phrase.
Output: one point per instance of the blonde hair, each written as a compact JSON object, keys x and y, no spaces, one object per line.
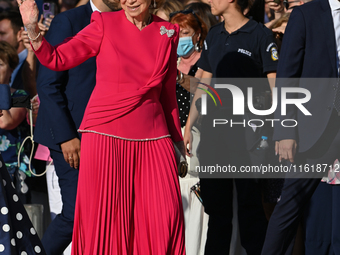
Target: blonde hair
{"x":169,"y":6}
{"x":283,"y":19}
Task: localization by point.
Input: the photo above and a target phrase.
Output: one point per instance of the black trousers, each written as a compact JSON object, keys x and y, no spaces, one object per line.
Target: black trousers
{"x":296,"y":192}
{"x":323,"y":236}
{"x":217,"y":195}
{"x":59,"y":233}
{"x":225,"y":145}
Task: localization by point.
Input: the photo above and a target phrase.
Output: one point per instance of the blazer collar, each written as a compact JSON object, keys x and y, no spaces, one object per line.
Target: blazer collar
{"x":327,"y":21}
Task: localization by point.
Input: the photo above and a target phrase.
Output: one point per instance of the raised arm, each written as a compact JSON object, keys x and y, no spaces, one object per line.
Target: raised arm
{"x":29,"y":14}
{"x":73,"y":51}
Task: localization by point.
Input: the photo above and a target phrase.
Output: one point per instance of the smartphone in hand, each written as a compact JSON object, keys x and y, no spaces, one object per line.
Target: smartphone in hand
{"x":48,"y":10}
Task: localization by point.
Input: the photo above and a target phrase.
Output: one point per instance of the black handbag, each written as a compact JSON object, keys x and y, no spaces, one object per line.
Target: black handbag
{"x":181,"y":163}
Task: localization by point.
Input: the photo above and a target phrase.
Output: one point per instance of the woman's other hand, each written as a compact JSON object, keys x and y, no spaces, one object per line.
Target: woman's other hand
{"x":187,"y":140}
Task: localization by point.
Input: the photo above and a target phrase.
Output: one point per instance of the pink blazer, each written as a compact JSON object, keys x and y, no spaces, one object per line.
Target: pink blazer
{"x":135,"y":93}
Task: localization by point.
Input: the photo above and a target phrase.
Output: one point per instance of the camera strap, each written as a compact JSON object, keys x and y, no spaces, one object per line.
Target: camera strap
{"x":31,"y":137}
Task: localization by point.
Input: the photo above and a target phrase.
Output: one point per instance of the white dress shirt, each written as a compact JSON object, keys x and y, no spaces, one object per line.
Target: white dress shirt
{"x":94,"y":8}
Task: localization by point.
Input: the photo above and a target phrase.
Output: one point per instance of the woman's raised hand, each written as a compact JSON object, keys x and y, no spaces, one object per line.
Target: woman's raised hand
{"x":29,"y":13}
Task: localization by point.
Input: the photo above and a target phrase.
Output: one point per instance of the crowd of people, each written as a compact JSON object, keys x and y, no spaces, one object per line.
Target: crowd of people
{"x":117,"y":92}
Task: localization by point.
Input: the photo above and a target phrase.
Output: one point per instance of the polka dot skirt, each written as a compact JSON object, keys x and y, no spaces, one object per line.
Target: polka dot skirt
{"x":17,"y":235}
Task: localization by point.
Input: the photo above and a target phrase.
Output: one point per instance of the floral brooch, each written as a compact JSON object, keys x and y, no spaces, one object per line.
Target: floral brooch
{"x":168,"y":32}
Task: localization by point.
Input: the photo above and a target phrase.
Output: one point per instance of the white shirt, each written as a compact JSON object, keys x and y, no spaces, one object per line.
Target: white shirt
{"x":94,"y":8}
{"x":335,"y":7}
{"x":22,"y":57}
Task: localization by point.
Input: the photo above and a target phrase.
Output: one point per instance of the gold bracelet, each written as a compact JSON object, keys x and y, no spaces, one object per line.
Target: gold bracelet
{"x":33,"y":38}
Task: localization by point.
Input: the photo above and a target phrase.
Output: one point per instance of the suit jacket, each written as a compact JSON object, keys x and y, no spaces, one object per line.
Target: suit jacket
{"x":308,"y":51}
{"x":64,"y":95}
{"x":18,"y":82}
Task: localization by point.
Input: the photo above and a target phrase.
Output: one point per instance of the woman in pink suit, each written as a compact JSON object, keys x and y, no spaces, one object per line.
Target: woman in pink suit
{"x":128,"y":199}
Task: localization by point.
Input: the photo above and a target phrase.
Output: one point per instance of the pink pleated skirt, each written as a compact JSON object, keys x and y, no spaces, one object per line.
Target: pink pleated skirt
{"x":128,"y":200}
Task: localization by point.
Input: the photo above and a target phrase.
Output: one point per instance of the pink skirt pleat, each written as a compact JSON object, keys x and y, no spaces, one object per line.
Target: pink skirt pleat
{"x":128,"y":200}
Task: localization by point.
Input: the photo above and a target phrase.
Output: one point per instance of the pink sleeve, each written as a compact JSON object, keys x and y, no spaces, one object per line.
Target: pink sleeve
{"x":168,"y":96}
{"x":73,"y":50}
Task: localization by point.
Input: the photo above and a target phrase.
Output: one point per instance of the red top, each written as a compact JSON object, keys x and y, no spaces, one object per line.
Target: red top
{"x":135,"y":94}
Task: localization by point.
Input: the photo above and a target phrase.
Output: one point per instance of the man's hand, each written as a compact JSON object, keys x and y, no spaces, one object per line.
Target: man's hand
{"x":286,"y":149}
{"x":71,"y":152}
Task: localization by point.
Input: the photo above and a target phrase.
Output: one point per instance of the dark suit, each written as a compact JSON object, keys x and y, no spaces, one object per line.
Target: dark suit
{"x":18,"y":82}
{"x":63,"y":96}
{"x":308,"y":51}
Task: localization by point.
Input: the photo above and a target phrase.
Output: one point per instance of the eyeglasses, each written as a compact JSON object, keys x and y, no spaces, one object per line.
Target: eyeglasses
{"x":286,"y":4}
{"x":187,"y":12}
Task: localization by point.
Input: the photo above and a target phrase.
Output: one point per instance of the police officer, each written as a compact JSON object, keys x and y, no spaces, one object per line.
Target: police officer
{"x":236,"y":48}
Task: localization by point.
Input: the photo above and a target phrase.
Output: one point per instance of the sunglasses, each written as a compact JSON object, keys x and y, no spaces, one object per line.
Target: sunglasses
{"x":187,"y":12}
